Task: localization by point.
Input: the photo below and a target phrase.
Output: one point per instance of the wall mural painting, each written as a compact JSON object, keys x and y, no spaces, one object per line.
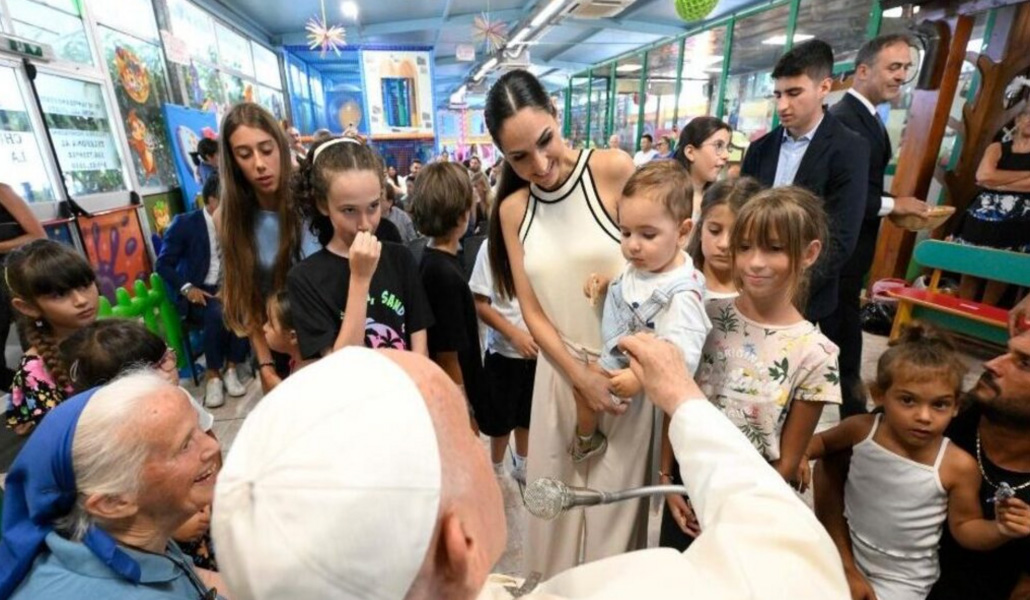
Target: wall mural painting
{"x":140,"y":88}
{"x":160,"y":209}
{"x":115,"y":247}
{"x":188,"y":126}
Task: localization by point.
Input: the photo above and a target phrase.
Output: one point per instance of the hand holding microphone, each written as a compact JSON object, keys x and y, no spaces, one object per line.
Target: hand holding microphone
{"x":547,"y":498}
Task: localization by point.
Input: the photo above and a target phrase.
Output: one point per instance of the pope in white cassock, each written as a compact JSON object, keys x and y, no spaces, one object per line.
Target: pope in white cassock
{"x":358,"y":477}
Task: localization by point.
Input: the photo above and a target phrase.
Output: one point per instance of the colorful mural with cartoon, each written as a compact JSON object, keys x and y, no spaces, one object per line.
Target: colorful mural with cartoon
{"x":114,"y":244}
{"x":137,"y":70}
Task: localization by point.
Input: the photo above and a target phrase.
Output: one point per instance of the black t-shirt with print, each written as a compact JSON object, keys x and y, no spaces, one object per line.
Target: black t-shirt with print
{"x":455,"y":328}
{"x":397,"y":304}
{"x":968,"y":574}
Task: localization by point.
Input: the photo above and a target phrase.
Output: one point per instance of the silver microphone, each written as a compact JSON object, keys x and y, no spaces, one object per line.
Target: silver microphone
{"x":547,"y":498}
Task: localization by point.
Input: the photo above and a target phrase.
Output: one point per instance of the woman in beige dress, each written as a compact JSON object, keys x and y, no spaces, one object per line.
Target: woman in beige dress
{"x":552,"y":228}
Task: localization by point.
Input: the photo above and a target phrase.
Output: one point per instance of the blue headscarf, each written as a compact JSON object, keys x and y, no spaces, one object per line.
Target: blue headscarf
{"x":40,"y":489}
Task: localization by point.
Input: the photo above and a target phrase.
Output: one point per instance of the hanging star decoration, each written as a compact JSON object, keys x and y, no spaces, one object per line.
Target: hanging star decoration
{"x":321,"y":35}
{"x":493,"y":33}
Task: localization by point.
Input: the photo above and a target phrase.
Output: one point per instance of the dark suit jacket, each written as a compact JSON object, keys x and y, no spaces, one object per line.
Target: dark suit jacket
{"x":857,"y":118}
{"x":835,"y":167}
{"x":185,"y":253}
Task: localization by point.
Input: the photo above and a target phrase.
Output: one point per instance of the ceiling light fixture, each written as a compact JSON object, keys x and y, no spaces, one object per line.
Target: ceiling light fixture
{"x":781,"y":39}
{"x":546,"y":13}
{"x":520,"y":37}
{"x":349,"y":8}
{"x":485,"y":68}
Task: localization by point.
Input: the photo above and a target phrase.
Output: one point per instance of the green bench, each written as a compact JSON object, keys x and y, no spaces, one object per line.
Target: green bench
{"x":967,"y":317}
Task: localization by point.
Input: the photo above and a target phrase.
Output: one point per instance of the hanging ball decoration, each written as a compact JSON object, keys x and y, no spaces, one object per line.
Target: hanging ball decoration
{"x":695,"y":10}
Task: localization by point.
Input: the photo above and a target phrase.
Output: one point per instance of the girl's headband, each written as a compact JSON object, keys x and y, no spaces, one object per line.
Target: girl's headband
{"x":333,"y":142}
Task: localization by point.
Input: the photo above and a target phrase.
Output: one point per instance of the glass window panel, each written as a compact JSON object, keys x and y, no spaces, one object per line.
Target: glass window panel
{"x":660,"y":103}
{"x":598,"y":112}
{"x":21,"y":159}
{"x":54,"y":22}
{"x":137,"y":71}
{"x":627,"y":97}
{"x":79,"y":123}
{"x":266,"y":67}
{"x":317,"y":95}
{"x":702,"y":69}
{"x":579,"y":114}
{"x":236,"y":90}
{"x":195,"y":28}
{"x":842,"y":23}
{"x":758,"y":42}
{"x":272,"y":100}
{"x":234,"y":50}
{"x":298,"y":81}
{"x":203,"y":86}
{"x":131,"y":16}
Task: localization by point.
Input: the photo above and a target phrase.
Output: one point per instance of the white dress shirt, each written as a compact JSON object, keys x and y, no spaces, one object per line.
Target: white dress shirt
{"x":214,"y":270}
{"x":792,"y":152}
{"x":887,"y":202}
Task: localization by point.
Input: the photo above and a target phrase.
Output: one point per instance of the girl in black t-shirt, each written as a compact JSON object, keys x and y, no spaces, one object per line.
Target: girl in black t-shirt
{"x":356,"y":290}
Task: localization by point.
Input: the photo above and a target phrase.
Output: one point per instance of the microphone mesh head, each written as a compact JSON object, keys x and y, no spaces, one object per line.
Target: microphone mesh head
{"x":544,"y":498}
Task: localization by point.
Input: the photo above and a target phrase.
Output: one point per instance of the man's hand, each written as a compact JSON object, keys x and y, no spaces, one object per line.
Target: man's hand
{"x":1019,"y":317}
{"x":1013,"y":518}
{"x":907,"y":205}
{"x":197,"y":296}
{"x":683,"y":514}
{"x":660,"y":367}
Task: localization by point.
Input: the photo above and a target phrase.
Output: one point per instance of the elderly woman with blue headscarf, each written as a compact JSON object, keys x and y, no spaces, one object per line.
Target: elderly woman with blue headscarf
{"x":95,"y":494}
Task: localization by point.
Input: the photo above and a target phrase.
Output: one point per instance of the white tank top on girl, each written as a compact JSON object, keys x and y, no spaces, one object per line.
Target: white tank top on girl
{"x":896,"y":509}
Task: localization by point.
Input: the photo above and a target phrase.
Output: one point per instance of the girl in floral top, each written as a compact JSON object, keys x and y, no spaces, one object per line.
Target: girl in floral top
{"x":54,"y":291}
{"x":764,"y":365}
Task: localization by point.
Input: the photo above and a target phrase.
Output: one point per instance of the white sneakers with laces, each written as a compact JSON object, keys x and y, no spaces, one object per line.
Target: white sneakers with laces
{"x":232,"y":383}
{"x":213,"y":396}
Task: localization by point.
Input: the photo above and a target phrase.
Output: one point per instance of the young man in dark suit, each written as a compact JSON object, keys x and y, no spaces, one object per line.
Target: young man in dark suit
{"x":882,"y":67}
{"x":812,"y":149}
{"x":190,"y":263}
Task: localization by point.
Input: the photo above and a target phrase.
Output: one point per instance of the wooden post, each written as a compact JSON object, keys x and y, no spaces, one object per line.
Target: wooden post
{"x":924,"y":131}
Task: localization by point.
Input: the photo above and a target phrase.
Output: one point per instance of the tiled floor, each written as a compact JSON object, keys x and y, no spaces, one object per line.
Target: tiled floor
{"x":229,"y":418}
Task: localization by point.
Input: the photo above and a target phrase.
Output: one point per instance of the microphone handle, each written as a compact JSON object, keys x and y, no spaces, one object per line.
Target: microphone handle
{"x":641,"y":492}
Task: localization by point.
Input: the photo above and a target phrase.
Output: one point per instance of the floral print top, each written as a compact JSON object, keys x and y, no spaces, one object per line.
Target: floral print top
{"x":754,"y":372}
{"x":33,"y":392}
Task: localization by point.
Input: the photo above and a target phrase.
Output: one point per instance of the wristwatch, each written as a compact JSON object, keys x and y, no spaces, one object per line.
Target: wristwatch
{"x":186,"y":289}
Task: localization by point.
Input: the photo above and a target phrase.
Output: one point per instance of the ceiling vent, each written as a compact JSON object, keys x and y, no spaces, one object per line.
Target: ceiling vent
{"x":597,"y":9}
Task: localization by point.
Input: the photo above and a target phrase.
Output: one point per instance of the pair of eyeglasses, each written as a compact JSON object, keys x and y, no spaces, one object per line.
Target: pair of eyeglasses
{"x":720,"y":147}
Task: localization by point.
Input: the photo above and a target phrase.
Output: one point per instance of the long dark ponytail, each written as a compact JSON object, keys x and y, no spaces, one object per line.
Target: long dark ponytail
{"x":511,"y":93}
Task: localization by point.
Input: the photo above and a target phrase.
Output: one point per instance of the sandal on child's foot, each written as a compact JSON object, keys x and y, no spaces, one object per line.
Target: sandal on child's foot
{"x":582,"y":450}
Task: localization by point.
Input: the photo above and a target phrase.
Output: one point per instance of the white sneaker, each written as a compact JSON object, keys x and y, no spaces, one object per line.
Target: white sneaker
{"x":519,"y":473}
{"x":213,"y":396}
{"x":232,"y":383}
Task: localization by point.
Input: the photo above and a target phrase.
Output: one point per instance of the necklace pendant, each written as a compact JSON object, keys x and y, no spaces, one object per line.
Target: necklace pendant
{"x":1003,"y":493}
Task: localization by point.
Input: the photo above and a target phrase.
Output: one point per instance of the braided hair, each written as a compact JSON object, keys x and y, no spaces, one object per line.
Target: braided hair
{"x":45,"y":268}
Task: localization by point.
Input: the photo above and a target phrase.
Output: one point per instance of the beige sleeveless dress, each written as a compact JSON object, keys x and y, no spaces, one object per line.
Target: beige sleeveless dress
{"x":567,"y":235}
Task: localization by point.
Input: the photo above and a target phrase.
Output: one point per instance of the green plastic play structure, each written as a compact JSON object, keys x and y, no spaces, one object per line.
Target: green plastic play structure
{"x":154,"y":308}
